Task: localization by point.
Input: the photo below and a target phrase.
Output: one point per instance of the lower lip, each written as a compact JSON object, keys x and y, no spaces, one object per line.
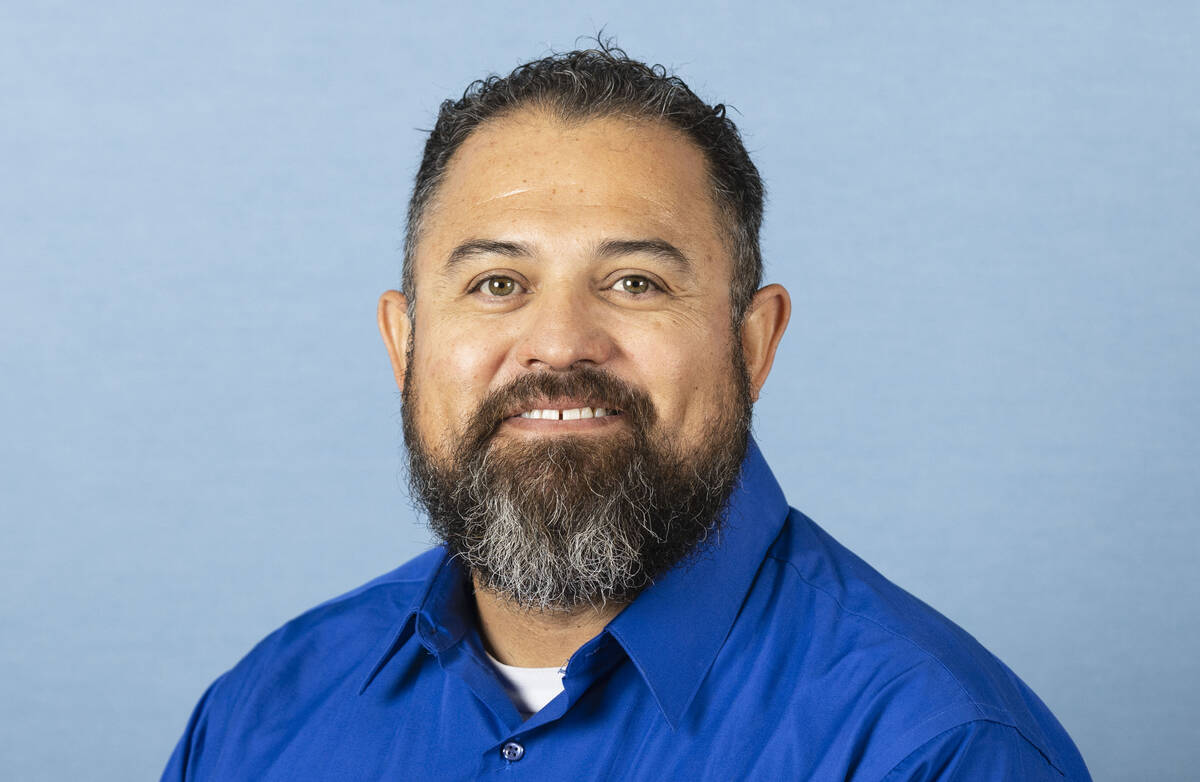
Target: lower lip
{"x":577,"y":425}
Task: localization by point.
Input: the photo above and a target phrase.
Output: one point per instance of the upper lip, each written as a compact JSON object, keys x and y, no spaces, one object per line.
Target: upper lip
{"x":559,"y":403}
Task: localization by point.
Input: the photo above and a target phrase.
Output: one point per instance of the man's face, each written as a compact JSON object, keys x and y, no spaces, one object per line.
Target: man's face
{"x":580,"y":269}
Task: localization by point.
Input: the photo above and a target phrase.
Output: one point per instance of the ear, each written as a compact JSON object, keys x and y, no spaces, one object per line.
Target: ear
{"x":766,"y":320}
{"x":394,"y":327}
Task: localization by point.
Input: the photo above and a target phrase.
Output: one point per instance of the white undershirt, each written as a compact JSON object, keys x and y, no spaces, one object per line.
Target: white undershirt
{"x":529,"y":688}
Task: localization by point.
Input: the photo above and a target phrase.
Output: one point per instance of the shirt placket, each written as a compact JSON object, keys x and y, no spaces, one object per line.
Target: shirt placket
{"x":526,"y":747}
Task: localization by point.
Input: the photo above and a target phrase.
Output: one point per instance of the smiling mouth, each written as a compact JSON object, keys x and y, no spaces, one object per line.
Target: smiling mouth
{"x":568,"y":414}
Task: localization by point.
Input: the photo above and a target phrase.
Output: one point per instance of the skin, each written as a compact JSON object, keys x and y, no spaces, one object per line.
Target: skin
{"x":556,"y":192}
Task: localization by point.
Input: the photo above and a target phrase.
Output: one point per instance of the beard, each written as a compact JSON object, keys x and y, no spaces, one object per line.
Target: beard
{"x":561,"y":522}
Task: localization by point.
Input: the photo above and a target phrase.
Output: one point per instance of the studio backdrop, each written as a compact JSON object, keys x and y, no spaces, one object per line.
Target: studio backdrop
{"x":986,"y":215}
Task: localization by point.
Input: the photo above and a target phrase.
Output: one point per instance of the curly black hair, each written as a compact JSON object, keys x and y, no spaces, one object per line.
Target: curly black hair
{"x":602,"y":82}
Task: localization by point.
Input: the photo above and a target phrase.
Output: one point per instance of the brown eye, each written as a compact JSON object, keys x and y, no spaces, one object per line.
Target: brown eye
{"x":500,"y":286}
{"x":635,"y":285}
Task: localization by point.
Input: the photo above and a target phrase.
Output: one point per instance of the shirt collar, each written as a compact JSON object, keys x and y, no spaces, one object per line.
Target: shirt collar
{"x":439,"y":615}
{"x":673,"y":630}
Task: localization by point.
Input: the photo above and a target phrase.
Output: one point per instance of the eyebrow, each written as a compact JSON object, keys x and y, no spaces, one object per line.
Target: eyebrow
{"x":477,"y":247}
{"x":610,"y":248}
{"x":658,"y":248}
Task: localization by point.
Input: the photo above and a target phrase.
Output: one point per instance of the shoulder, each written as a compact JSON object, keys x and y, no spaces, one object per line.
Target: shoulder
{"x":324,"y":650}
{"x":328,"y":647}
{"x":345,"y":627}
{"x":921,"y":676}
{"x":981,"y":751}
{"x":319,"y":652}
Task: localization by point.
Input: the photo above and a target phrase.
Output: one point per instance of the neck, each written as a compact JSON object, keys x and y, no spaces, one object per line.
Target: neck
{"x":536,"y":639}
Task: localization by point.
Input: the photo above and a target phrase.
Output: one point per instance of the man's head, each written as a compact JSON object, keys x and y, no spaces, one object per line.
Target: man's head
{"x":582,"y":238}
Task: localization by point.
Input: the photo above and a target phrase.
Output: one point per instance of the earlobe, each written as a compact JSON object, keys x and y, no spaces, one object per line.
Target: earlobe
{"x":394,"y":327}
{"x":762,"y":329}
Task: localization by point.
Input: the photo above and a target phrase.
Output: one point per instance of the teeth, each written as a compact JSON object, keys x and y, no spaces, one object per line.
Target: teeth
{"x":572,"y":414}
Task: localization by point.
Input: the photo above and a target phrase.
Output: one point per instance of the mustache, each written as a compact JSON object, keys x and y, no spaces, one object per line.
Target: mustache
{"x":527,"y":390}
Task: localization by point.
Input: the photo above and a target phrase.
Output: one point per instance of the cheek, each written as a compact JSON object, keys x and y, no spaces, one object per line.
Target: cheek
{"x":686,"y":375}
{"x":455,"y":371}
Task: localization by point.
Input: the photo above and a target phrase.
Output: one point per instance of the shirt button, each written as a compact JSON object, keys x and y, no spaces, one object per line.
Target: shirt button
{"x":512,"y":751}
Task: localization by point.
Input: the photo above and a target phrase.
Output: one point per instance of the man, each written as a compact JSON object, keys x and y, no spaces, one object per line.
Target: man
{"x":622,"y":591}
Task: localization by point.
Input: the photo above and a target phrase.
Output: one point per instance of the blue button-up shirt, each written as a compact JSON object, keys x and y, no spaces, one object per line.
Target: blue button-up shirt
{"x":776,"y":655}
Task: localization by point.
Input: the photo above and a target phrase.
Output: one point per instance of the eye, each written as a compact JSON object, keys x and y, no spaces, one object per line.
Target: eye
{"x":497,"y":286}
{"x":635,"y":285}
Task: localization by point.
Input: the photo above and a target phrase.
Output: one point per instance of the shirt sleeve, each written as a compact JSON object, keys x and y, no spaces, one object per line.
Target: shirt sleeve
{"x":185,"y":760}
{"x":979,"y":751}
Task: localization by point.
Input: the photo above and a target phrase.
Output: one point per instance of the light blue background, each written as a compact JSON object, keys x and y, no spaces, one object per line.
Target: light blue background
{"x":986,"y":214}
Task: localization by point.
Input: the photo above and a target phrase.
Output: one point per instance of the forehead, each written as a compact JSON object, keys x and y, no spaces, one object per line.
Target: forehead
{"x":533,"y":174}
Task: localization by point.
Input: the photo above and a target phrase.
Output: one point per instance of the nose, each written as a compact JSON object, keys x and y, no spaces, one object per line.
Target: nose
{"x":563,"y":331}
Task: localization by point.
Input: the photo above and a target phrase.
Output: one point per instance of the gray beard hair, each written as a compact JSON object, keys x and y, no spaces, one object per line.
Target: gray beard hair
{"x":561,"y":523}
{"x":566,"y":539}
{"x":533,"y":566}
